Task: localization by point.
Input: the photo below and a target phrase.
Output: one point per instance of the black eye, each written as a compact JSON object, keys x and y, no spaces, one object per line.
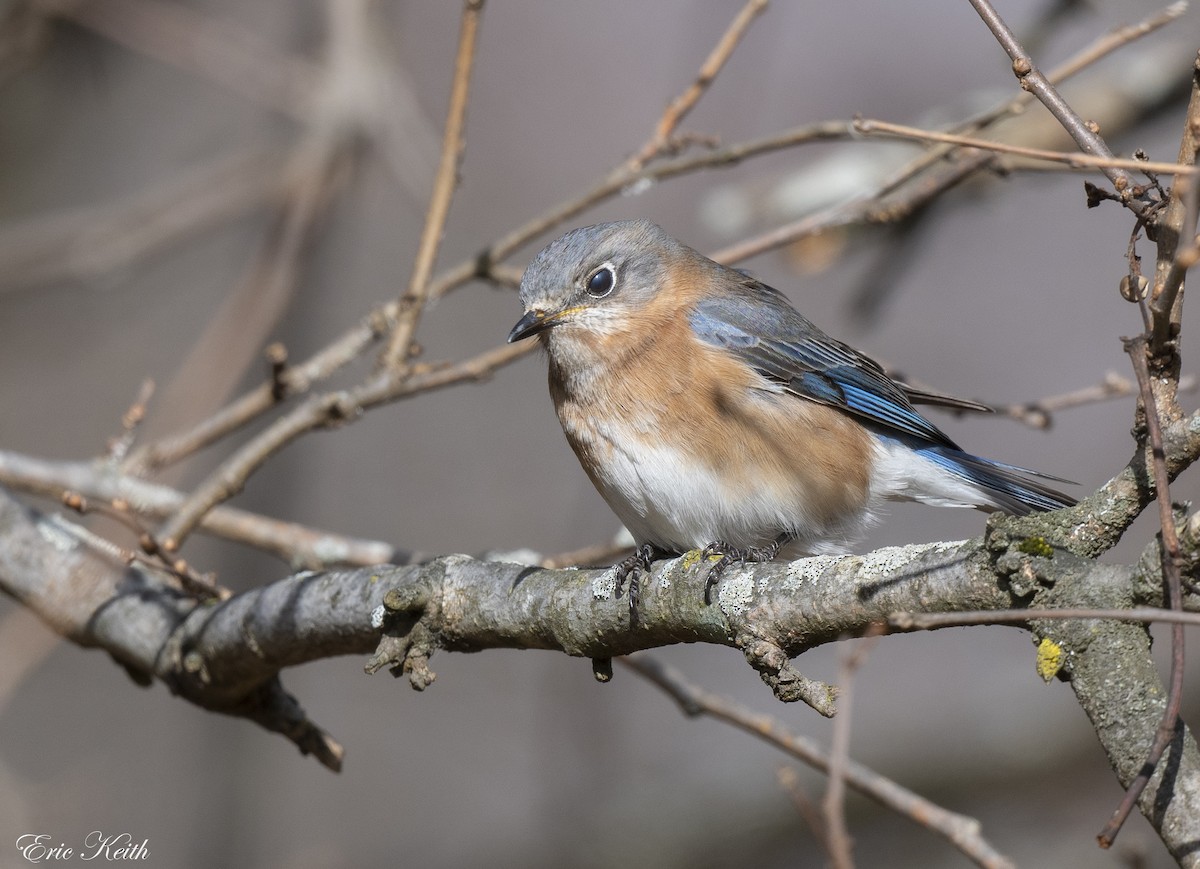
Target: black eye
{"x":602,"y":281}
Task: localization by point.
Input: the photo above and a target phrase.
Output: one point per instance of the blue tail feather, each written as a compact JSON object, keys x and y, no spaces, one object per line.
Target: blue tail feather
{"x":1013,"y":489}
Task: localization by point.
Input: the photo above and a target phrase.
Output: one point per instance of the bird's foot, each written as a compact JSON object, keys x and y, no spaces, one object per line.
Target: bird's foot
{"x":629,"y":568}
{"x":741,"y":554}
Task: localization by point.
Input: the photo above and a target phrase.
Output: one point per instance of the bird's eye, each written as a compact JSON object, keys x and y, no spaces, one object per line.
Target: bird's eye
{"x":601,"y":282}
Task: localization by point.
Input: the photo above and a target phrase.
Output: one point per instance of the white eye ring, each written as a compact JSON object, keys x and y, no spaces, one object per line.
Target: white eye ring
{"x":601,"y":282}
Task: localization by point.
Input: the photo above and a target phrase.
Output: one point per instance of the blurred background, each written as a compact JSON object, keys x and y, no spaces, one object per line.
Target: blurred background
{"x":141,"y":152}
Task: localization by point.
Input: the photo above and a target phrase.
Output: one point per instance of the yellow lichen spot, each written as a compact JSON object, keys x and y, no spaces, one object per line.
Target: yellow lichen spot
{"x":1036,"y":546}
{"x":691,"y":558}
{"x":1049,"y":659}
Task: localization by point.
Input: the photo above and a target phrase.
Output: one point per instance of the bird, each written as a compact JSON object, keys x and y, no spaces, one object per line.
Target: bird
{"x":711,"y":415}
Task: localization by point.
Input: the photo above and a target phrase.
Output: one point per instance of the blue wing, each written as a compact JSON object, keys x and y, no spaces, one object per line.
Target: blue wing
{"x":761,"y":327}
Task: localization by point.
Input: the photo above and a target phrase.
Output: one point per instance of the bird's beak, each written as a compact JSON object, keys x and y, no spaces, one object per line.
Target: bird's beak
{"x":533,"y":322}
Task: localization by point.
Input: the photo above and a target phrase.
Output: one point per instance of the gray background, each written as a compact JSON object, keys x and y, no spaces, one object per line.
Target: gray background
{"x":521,"y":759}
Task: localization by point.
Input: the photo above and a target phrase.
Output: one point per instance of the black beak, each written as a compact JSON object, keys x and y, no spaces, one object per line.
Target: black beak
{"x":533,"y":322}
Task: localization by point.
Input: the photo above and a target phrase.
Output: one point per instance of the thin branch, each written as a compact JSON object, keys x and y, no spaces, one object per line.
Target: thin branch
{"x":301,"y":377}
{"x":83,"y":243}
{"x":864,"y":209}
{"x":329,"y":409}
{"x":298,"y":545}
{"x":790,"y":782}
{"x":206,"y":45}
{"x":833,"y":806}
{"x":870,"y":127}
{"x":959,"y":830}
{"x":679,"y":108}
{"x":296,"y":380}
{"x":921,"y":621}
{"x":1094,"y":52}
{"x":1040,"y":414}
{"x":1032,"y":80}
{"x":413,"y":301}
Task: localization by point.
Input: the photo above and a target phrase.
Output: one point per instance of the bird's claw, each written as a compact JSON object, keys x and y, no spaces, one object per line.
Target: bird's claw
{"x":629,"y":568}
{"x":729,"y":554}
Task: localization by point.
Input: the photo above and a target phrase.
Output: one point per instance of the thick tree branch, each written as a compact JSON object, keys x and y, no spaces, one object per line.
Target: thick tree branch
{"x":227,"y":656}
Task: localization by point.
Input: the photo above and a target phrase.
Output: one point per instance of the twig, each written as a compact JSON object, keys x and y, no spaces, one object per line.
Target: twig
{"x":1094,"y":52}
{"x":870,"y":127}
{"x":445,"y":182}
{"x":1039,"y":414}
{"x":1178,"y":244}
{"x":833,"y":806}
{"x":961,"y":831}
{"x":790,"y":782}
{"x":329,"y":409}
{"x":298,"y":545}
{"x":907,"y":621}
{"x":118,"y":447}
{"x":1032,"y":80}
{"x":203,"y":44}
{"x":485,"y":264}
{"x":679,"y":108}
{"x":865,"y":209}
{"x":1171,"y":562}
{"x":90,"y":241}
{"x":296,"y":380}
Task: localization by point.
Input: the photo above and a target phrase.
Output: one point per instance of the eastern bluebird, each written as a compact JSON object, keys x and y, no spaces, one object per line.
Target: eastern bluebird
{"x":709,"y":412}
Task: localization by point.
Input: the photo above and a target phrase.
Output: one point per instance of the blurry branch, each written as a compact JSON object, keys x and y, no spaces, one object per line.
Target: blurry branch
{"x":200,"y":43}
{"x":297,"y":545}
{"x":89,"y":242}
{"x":694,"y":701}
{"x":833,"y":806}
{"x":314,"y":173}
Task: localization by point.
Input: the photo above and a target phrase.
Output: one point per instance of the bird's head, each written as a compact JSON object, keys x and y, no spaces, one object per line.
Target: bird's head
{"x":594,"y":281}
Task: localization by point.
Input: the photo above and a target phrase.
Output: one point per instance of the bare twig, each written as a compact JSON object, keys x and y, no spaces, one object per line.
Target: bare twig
{"x":1040,"y":414}
{"x":790,"y":782}
{"x":1035,"y":82}
{"x":453,"y":141}
{"x":90,"y":241}
{"x":329,"y":409}
{"x":296,"y":380}
{"x":298,"y":545}
{"x":674,"y":114}
{"x":870,"y":127}
{"x":961,"y":831}
{"x":1094,"y":52}
{"x":833,"y":806}
{"x":119,"y":445}
{"x":203,"y":44}
{"x":910,"y":621}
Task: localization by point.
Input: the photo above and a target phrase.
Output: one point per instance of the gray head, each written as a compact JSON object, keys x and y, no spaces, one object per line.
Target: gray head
{"x":593,"y":276}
